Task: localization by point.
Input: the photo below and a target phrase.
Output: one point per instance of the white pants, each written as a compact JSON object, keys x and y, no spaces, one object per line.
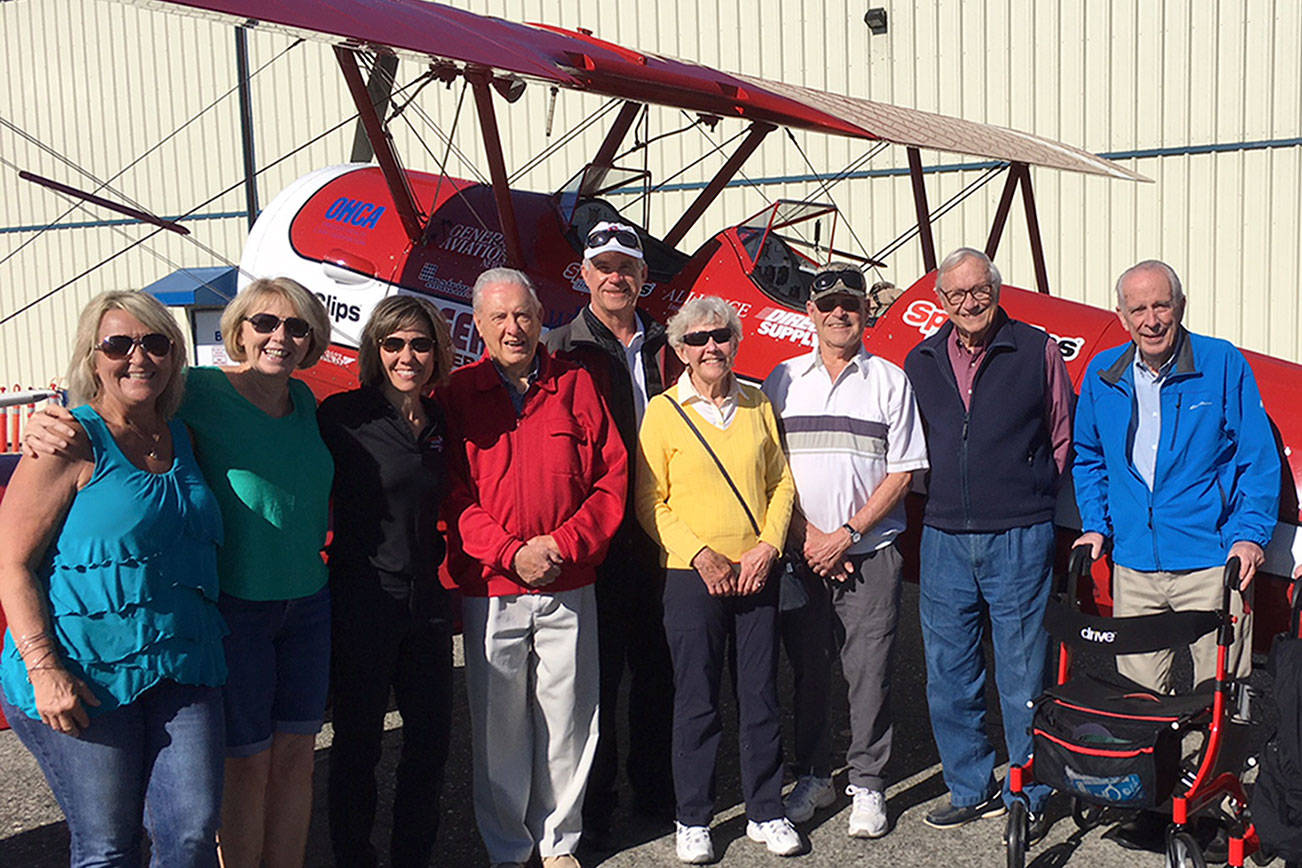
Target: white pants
{"x":532,"y":682}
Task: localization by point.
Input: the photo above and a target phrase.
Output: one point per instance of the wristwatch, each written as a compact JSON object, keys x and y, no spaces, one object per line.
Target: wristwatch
{"x":855,"y":536}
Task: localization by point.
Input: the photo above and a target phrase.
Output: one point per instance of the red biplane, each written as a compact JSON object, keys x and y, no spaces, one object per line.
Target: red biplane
{"x":354,"y":233}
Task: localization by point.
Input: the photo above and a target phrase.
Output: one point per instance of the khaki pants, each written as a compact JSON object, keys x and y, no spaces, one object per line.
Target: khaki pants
{"x":1138,"y":593}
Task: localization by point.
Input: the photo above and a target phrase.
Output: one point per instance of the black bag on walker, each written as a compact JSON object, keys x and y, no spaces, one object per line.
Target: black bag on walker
{"x":1106,"y":758}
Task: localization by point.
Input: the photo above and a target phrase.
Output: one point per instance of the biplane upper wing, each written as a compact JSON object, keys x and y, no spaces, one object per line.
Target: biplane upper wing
{"x":576,"y":59}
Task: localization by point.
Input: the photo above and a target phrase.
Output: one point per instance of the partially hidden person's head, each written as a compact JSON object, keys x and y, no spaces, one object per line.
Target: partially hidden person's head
{"x":406,"y":346}
{"x":837,"y":303}
{"x":614,"y":269}
{"x":968,"y":285}
{"x":508,"y":316}
{"x":1150,"y":304}
{"x":275,"y":326}
{"x":706,"y":333}
{"x":129,"y":345}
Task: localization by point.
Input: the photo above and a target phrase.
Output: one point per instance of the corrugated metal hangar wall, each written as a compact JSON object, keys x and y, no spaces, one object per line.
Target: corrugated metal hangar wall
{"x":1205,"y":98}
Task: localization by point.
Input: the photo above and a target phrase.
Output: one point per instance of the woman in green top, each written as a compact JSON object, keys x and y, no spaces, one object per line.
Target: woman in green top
{"x":256,"y":438}
{"x":257,"y":443}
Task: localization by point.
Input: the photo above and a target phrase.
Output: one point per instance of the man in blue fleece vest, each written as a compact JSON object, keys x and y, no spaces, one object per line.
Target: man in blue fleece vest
{"x":995,"y":399}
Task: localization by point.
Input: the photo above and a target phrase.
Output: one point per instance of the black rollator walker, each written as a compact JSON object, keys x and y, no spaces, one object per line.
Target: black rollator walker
{"x":1109,"y":742}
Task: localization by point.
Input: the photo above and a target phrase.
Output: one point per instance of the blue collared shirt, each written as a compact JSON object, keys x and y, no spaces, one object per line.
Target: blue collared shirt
{"x":1148,"y":413}
{"x":517,"y":397}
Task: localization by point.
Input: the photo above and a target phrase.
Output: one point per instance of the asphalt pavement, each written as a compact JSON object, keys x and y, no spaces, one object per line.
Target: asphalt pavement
{"x":33,"y":834}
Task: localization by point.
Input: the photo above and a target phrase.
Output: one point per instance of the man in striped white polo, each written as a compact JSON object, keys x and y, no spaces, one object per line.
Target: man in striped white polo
{"x":854,"y":439}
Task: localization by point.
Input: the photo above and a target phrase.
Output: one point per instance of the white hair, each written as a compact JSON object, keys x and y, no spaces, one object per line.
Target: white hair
{"x":993,"y":277}
{"x":499,"y":276}
{"x":702,"y":309}
{"x":1172,"y":279}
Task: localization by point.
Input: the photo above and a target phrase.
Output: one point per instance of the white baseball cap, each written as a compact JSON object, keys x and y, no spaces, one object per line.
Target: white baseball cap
{"x":608,"y":237}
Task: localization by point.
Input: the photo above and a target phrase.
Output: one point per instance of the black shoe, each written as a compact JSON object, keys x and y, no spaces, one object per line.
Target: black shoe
{"x":661,"y":808}
{"x":1145,"y":831}
{"x":1215,"y":840}
{"x":951,"y":817}
{"x":1036,"y":829}
{"x":597,"y":838}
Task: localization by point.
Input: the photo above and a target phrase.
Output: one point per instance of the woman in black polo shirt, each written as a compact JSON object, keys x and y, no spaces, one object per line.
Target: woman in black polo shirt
{"x":391,"y":617}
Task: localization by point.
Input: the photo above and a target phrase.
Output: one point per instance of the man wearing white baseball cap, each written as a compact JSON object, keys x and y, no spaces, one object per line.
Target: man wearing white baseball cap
{"x":625,"y":351}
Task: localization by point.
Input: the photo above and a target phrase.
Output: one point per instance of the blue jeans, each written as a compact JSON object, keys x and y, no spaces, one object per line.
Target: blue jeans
{"x":156,"y":762}
{"x":965,"y":576}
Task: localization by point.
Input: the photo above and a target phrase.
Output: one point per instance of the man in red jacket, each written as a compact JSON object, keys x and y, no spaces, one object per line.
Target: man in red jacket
{"x":538,"y":482}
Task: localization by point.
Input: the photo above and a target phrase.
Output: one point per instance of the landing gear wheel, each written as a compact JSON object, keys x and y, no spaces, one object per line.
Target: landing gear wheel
{"x":1086,"y":815}
{"x":1182,"y":851}
{"x":1018,"y":820}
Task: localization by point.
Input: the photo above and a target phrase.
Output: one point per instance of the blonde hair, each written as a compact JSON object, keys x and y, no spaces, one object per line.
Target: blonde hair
{"x":396,"y":313}
{"x":304,"y":303}
{"x":83,"y":383}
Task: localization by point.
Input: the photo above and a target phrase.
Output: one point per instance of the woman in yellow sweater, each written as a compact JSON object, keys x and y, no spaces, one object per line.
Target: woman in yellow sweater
{"x":713,"y":489}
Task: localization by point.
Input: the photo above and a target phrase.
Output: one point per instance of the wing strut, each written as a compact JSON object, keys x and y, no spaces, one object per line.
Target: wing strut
{"x":404,"y":201}
{"x":924,"y":213}
{"x":479,"y":79}
{"x":1033,"y":229}
{"x":605,"y":159}
{"x":758,"y":131}
{"x":1001,"y":213}
{"x":1019,"y":174}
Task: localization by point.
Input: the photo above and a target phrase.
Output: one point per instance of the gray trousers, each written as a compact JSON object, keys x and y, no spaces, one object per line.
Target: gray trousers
{"x":859,"y":618}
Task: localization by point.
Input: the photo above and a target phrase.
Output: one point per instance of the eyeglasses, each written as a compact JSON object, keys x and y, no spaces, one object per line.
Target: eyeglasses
{"x":396,"y":344}
{"x":118,"y":347}
{"x":829,"y":303}
{"x":266,"y":323}
{"x":626,"y":237}
{"x":849,"y":277}
{"x":700,"y":339}
{"x":984,"y":292}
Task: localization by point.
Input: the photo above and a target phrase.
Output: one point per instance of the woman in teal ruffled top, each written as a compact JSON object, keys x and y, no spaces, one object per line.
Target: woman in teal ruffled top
{"x":113,"y":660}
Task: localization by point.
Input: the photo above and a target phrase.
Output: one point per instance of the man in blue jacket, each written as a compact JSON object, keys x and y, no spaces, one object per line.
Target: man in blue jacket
{"x":1177,"y":465}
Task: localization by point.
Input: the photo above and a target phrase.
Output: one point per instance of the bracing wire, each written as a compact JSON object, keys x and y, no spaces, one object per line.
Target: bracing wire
{"x":949,"y":204}
{"x":238,"y":184}
{"x":104,"y":184}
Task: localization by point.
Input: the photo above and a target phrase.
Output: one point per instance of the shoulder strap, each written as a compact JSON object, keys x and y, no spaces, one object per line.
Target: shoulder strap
{"x":717,"y":462}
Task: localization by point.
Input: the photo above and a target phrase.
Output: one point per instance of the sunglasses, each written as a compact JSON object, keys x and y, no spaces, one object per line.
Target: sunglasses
{"x":700,"y":339}
{"x":119,"y":347}
{"x":829,"y":303}
{"x":849,"y":277}
{"x":625,"y":237}
{"x":266,"y":323}
{"x":397,"y":344}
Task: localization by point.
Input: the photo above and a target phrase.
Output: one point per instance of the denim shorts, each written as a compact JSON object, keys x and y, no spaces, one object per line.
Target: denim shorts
{"x":278,"y":654}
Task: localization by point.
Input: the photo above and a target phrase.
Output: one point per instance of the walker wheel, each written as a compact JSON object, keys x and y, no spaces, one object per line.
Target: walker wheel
{"x":1182,"y":851}
{"x":1018,"y":821}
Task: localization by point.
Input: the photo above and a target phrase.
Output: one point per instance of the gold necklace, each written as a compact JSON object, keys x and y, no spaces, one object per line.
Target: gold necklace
{"x":154,"y":440}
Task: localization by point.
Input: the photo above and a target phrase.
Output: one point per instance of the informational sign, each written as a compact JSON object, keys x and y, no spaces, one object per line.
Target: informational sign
{"x":206,"y":332}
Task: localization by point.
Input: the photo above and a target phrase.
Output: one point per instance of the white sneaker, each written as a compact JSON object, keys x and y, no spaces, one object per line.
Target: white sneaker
{"x":868,"y":814}
{"x":778,"y":835}
{"x":693,"y":844}
{"x":808,"y":795}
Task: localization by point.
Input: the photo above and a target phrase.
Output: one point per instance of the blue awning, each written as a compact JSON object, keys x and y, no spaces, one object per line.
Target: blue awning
{"x":196,"y":287}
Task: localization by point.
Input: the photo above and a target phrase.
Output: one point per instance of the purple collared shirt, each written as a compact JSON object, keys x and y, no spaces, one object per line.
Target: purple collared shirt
{"x":1057,"y":409}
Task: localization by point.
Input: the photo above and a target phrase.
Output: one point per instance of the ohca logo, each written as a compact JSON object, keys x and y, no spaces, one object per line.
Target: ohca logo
{"x":1089,"y":634}
{"x":354,"y":212}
